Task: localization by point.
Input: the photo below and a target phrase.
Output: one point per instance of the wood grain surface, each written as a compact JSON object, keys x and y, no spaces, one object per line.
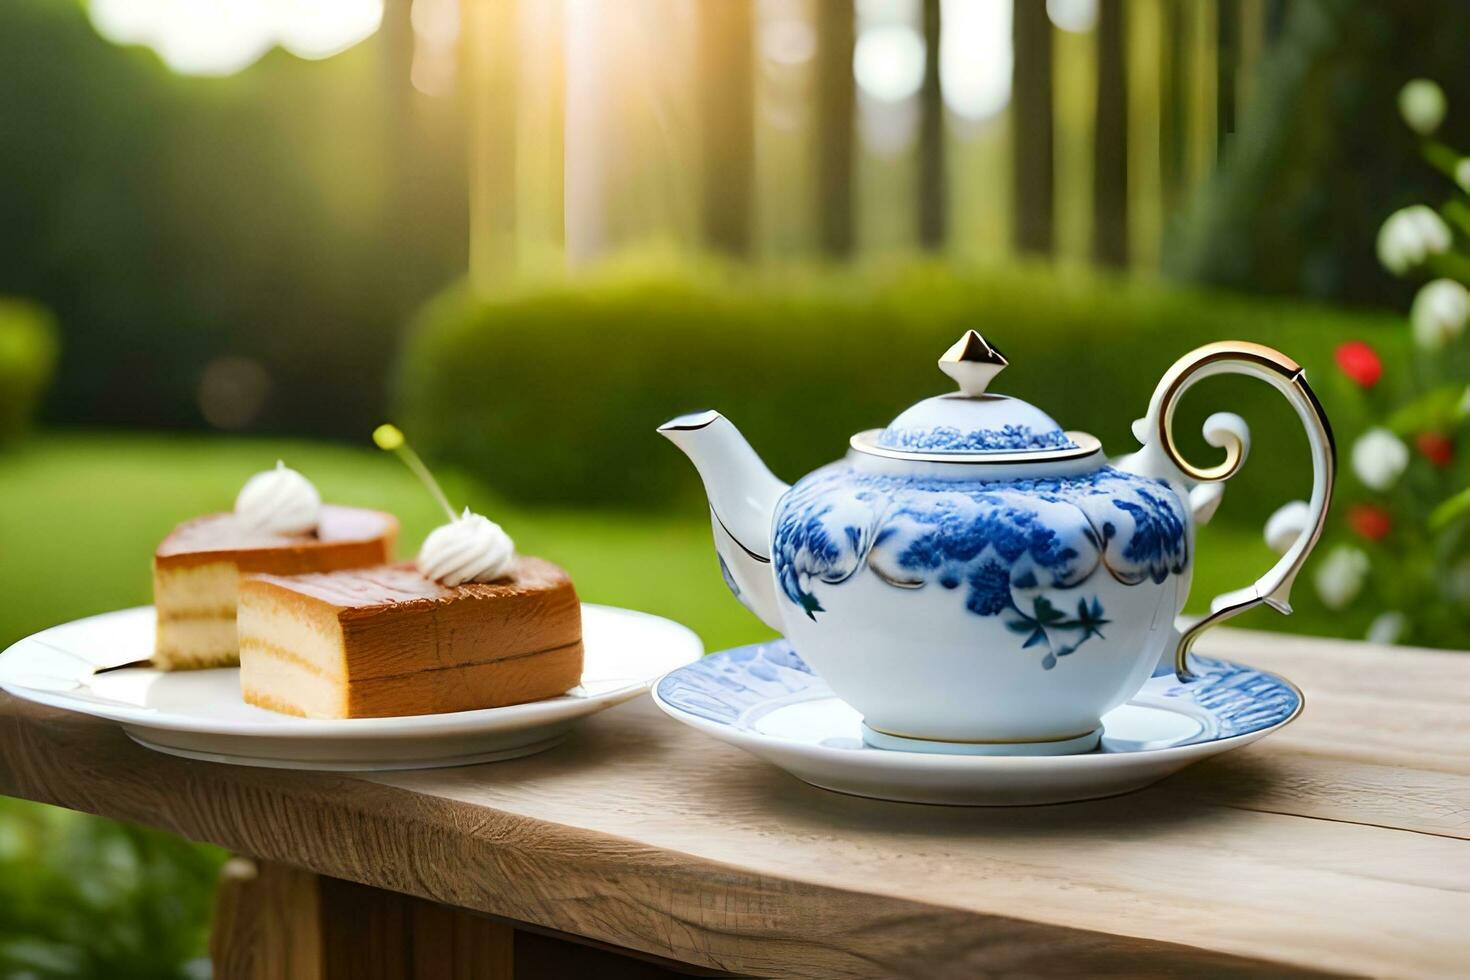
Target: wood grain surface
{"x":1336,"y":846}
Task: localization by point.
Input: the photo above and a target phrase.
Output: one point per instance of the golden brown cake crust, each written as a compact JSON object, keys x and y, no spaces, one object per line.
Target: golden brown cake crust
{"x":351,"y":535}
{"x":372,"y":591}
{"x":409,"y":645}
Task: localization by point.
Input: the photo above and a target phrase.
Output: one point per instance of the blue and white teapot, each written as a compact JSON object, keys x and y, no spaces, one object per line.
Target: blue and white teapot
{"x":974,"y":579}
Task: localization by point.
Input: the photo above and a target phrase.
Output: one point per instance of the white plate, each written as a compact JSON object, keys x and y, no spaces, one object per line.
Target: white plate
{"x":199,"y":714}
{"x":766,"y":700}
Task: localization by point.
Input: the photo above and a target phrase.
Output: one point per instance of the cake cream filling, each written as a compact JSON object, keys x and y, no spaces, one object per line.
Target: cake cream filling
{"x":292,"y":661}
{"x":196,"y":616}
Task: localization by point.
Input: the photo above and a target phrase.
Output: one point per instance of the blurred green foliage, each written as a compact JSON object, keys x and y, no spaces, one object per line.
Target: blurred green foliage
{"x":294,"y":214}
{"x":82,"y":897}
{"x":552,"y":391}
{"x":1402,"y":547}
{"x":1320,"y":157}
{"x":28,"y":350}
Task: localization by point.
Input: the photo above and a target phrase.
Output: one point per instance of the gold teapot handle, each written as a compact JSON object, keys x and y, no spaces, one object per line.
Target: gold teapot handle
{"x":1286,"y":376}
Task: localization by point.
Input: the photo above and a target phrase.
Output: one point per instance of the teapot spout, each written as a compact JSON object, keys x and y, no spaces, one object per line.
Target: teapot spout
{"x":742,"y":496}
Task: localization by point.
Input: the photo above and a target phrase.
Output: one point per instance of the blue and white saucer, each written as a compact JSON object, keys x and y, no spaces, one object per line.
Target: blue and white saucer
{"x":766,"y":700}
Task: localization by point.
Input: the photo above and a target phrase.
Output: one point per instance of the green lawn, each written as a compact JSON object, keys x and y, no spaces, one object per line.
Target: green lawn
{"x":79,"y":517}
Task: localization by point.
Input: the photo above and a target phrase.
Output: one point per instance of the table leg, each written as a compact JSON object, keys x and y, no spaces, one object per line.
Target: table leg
{"x":274,"y":922}
{"x":265,"y":922}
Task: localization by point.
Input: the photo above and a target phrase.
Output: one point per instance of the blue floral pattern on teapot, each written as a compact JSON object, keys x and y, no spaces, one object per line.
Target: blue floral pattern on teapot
{"x":949,"y":439}
{"x":1009,"y":548}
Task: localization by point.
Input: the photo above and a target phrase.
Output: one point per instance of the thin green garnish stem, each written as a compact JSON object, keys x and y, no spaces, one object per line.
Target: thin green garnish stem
{"x":390,"y":437}
{"x":411,"y":460}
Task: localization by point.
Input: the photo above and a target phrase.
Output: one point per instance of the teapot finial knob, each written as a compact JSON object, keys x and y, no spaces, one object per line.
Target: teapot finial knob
{"x":973,"y":363}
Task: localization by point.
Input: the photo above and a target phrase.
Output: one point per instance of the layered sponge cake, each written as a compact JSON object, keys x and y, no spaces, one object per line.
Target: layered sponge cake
{"x":390,"y":640}
{"x":197,"y":570}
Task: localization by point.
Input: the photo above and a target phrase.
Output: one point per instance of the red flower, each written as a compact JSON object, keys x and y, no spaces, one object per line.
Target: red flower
{"x":1436,"y":447}
{"x":1369,"y":521}
{"x":1360,"y":362}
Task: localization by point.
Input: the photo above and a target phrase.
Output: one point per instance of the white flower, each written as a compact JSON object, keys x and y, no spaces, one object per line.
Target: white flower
{"x":1409,"y":236}
{"x":1379,"y":459}
{"x":1422,"y":104}
{"x":1340,"y":577}
{"x":1286,"y":525}
{"x":1462,"y":174}
{"x":1387,"y":627}
{"x":1439,"y":313}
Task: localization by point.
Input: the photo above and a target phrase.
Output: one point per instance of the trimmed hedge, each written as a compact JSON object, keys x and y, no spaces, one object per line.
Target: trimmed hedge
{"x":551,"y":392}
{"x":27,"y":361}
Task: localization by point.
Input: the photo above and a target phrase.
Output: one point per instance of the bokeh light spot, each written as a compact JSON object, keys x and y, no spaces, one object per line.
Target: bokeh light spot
{"x":232,"y":391}
{"x":222,"y":37}
{"x":888,"y":62}
{"x":1073,"y":16}
{"x":975,"y":56}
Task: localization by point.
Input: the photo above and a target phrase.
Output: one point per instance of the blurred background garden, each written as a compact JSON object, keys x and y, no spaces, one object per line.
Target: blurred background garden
{"x":528,"y":231}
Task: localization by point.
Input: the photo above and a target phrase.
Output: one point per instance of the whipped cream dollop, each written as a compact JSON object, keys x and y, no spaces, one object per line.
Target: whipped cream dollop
{"x":472,"y":548}
{"x":279,"y":501}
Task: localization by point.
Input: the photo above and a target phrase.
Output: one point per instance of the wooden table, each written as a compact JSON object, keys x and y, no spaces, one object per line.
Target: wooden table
{"x":1336,"y":846}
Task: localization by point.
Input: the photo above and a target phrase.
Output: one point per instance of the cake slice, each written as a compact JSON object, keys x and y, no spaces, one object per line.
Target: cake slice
{"x":388,"y":640}
{"x":197,"y":569}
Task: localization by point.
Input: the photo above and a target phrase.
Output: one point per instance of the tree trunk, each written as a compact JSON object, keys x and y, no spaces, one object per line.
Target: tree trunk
{"x":1031,"y":128}
{"x":1110,"y":139}
{"x":1173,"y":132}
{"x":490,"y":82}
{"x":590,"y":107}
{"x":727,"y":128}
{"x":1227,"y":65}
{"x":540,"y":137}
{"x":933,"y":193}
{"x":836,"y":35}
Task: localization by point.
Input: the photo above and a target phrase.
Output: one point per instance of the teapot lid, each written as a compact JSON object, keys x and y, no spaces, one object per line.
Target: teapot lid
{"x":973,"y":424}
